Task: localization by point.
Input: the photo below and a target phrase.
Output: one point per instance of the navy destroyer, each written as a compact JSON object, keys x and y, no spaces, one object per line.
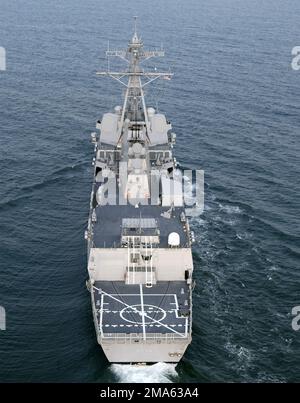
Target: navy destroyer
{"x":139,"y":242}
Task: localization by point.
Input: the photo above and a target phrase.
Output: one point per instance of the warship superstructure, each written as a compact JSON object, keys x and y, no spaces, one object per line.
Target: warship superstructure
{"x":139,"y":242}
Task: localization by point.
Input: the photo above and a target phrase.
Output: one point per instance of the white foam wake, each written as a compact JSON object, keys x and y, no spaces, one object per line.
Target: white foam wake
{"x":156,"y":373}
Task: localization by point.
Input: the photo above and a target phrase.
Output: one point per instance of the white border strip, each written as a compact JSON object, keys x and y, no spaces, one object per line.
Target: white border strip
{"x":143,"y":312}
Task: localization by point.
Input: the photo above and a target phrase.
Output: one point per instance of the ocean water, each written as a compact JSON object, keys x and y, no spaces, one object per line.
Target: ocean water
{"x":234,"y":104}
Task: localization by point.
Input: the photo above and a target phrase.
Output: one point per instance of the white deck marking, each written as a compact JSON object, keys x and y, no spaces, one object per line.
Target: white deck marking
{"x":101,"y":315}
{"x":176,"y":301}
{"x":139,"y":312}
{"x":177,"y":308}
{"x":145,"y":295}
{"x":133,"y":309}
{"x":143,"y":312}
{"x":133,"y":264}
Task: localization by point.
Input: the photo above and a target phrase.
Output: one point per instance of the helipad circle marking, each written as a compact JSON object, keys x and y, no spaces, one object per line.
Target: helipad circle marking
{"x":137,"y":310}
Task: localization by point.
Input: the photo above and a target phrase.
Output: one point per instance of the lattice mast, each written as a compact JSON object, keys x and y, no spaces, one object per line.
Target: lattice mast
{"x":136,"y":78}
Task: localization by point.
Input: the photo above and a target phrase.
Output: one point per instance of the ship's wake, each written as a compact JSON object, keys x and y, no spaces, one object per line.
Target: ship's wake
{"x":156,"y":373}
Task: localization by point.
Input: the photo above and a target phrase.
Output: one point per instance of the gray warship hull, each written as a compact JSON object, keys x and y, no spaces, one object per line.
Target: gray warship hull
{"x":139,"y":242}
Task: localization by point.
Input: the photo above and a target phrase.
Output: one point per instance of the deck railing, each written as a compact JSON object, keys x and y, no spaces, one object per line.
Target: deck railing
{"x":138,"y":337}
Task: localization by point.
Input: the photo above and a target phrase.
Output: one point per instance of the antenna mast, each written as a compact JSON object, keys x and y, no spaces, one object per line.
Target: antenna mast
{"x":136,"y":78}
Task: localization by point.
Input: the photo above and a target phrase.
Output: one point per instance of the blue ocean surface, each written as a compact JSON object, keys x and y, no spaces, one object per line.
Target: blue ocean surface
{"x":234,"y":104}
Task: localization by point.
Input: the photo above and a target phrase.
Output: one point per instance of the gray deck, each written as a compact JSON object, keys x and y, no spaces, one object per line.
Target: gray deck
{"x":163,"y":308}
{"x":107,"y":229}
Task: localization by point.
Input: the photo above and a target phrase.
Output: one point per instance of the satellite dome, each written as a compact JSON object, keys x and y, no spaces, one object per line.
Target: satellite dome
{"x":173,"y":239}
{"x":137,"y":148}
{"x":151,"y":112}
{"x":118,"y":109}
